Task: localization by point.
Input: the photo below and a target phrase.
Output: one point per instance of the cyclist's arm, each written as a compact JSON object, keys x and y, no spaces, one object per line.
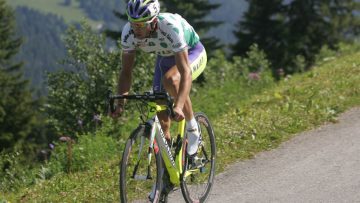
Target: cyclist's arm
{"x":125,"y":76}
{"x":182,"y":63}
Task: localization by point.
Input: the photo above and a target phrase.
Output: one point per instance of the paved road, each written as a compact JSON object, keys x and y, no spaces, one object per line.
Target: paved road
{"x":322,"y":165}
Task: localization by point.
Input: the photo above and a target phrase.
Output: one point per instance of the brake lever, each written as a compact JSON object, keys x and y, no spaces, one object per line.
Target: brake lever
{"x":170,"y":104}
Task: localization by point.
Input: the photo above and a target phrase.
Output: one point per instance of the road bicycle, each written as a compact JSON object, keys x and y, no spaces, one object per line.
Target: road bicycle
{"x":151,"y":167}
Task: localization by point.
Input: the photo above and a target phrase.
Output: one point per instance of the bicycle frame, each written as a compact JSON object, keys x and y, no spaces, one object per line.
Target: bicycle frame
{"x":157,"y":137}
{"x":174,"y":167}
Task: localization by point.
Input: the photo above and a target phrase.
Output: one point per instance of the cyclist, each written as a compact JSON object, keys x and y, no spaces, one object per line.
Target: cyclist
{"x":181,"y":58}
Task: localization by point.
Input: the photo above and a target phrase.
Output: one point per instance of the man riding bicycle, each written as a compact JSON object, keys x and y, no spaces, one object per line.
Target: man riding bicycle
{"x":181,"y":58}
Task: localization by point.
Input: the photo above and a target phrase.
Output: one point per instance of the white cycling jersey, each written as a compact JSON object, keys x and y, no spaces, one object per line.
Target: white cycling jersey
{"x":173,"y":34}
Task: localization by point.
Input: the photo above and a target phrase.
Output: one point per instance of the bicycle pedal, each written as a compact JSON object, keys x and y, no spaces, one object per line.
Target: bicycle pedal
{"x":202,"y":169}
{"x":195,"y":162}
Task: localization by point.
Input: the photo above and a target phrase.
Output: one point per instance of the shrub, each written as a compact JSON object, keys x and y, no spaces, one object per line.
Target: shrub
{"x":12,"y":172}
{"x":80,"y":155}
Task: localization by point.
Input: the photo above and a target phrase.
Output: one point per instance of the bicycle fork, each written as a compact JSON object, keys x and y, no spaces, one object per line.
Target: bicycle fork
{"x":146,"y":128}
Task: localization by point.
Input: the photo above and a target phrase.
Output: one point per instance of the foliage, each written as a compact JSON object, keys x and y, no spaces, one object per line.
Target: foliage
{"x":228,"y":83}
{"x":195,"y":12}
{"x":262,"y":24}
{"x":85,"y":152}
{"x":326,"y":54}
{"x":242,"y":69}
{"x":12,"y":175}
{"x":292,"y":33}
{"x":17,"y":107}
{"x":344,"y":17}
{"x":78,"y":94}
{"x":296,"y":104}
{"x":246,"y":121}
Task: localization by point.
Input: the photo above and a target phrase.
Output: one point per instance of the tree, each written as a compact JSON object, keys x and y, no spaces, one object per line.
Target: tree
{"x":313,"y":24}
{"x":292,"y":33}
{"x":77,"y":95}
{"x":263,"y":24}
{"x":308,"y":31}
{"x":344,"y":16}
{"x":17,"y":114}
{"x":195,"y":12}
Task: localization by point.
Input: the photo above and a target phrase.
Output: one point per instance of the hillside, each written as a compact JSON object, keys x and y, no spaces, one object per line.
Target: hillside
{"x":74,"y":12}
{"x":246,"y":121}
{"x":70,"y":13}
{"x":42,"y":24}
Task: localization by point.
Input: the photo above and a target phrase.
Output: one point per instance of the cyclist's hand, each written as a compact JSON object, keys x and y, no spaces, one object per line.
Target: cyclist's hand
{"x":179,"y":114}
{"x":118,"y":111}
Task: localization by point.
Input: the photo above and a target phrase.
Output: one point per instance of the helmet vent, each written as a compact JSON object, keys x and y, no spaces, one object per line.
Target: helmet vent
{"x":137,"y":5}
{"x":131,"y":9}
{"x":142,"y":10}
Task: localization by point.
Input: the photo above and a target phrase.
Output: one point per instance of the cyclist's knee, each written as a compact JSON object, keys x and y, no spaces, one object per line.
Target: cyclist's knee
{"x":171,"y":82}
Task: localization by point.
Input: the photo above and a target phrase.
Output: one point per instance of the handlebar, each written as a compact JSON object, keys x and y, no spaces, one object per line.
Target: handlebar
{"x":146,"y":96}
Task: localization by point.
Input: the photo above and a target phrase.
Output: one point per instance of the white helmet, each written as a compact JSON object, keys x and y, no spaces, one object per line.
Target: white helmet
{"x":142,"y":10}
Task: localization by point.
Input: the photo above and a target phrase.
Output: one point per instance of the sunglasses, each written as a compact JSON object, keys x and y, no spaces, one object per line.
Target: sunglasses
{"x":137,"y":25}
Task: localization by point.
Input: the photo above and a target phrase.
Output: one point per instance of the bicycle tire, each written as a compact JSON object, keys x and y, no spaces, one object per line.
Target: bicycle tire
{"x":132,"y":190}
{"x":197,"y":179}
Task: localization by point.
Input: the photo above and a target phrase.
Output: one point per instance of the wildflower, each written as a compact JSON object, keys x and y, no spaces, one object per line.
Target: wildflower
{"x":80,"y":122}
{"x":280,"y":72}
{"x":254,"y":76}
{"x":64,"y":139}
{"x":97,"y":118}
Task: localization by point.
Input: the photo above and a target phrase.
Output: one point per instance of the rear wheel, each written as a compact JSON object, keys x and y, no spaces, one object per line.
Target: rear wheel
{"x":139,"y":181}
{"x":197,"y":180}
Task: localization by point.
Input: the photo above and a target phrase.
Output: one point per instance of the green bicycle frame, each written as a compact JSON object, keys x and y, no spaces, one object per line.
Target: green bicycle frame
{"x":174,"y":167}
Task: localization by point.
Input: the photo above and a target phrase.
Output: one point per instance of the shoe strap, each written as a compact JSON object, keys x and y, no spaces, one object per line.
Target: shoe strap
{"x":192,"y":130}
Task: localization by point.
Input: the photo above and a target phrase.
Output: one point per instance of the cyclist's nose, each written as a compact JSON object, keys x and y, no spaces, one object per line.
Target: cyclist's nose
{"x":140,"y":33}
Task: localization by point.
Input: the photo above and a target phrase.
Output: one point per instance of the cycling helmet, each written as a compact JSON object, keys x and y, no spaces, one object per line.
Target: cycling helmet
{"x":142,"y":10}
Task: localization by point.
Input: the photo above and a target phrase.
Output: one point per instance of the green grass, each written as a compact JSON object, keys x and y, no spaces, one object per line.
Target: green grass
{"x":70,"y":13}
{"x":247,"y":125}
{"x":295,"y":105}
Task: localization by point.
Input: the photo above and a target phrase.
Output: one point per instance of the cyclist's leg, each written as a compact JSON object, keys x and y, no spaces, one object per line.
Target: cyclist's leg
{"x":171,"y":83}
{"x":198,"y":59}
{"x":163,"y":64}
{"x":168,"y":77}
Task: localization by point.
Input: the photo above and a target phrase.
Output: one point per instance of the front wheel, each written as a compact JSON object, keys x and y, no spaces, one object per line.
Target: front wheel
{"x":198,"y":177}
{"x":140,"y":174}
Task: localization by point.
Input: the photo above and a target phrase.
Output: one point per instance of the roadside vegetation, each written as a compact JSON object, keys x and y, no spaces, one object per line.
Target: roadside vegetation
{"x":251,"y":113}
{"x":63,"y":147}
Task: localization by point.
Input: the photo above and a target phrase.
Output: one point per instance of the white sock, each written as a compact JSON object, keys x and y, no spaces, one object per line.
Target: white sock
{"x":193,"y":136}
{"x":191,"y":124}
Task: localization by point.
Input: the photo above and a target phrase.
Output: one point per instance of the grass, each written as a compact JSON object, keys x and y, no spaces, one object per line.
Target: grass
{"x":299,"y":104}
{"x":70,"y":13}
{"x":248,"y":124}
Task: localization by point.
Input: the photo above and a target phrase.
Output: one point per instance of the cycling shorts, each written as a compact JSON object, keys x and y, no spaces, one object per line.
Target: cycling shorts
{"x":197,"y":58}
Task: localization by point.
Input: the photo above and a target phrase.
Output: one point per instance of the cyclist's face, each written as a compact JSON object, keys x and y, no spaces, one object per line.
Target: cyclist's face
{"x":141,"y":29}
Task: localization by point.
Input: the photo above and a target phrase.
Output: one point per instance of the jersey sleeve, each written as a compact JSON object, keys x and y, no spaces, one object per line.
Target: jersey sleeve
{"x":179,"y":43}
{"x":182,"y":33}
{"x":127,"y":38}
